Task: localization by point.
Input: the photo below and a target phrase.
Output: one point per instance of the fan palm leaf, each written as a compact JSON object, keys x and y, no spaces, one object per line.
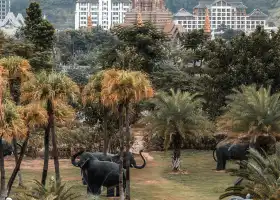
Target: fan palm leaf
{"x":120,"y":86}
{"x":17,"y":67}
{"x":34,"y":115}
{"x":92,"y":91}
{"x":49,"y":86}
{"x":12,"y":125}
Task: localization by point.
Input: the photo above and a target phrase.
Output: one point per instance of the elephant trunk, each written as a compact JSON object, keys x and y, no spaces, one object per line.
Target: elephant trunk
{"x":73,"y":158}
{"x":144,"y":164}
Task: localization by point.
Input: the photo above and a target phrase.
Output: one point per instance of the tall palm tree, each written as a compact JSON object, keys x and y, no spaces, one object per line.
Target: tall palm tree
{"x":252,"y":111}
{"x":90,"y":95}
{"x":19,"y":70}
{"x":176,"y":117}
{"x":120,"y":88}
{"x":12,"y":126}
{"x":34,"y":116}
{"x":54,"y":91}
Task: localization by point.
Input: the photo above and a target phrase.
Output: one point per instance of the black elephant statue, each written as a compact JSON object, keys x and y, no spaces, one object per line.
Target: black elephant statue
{"x":116,"y":159}
{"x":233,"y":150}
{"x":229,"y":151}
{"x":97,"y":173}
{"x":8,"y":148}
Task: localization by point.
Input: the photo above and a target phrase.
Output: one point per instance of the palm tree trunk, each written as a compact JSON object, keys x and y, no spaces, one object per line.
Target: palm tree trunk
{"x":54,"y":143}
{"x":2,"y":168}
{"x":177,"y":141}
{"x":20,"y":183}
{"x":18,"y":163}
{"x":15,"y":93}
{"x":105,"y":128}
{"x":46,"y":154}
{"x":120,"y":110}
{"x":127,"y":188}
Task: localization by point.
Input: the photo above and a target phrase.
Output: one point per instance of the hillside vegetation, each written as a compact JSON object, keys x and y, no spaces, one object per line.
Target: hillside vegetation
{"x":61,"y":12}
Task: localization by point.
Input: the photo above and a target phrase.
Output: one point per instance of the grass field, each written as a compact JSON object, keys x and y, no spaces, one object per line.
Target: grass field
{"x":155,"y":182}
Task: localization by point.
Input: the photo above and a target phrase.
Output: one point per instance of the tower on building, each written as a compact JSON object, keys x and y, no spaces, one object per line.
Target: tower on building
{"x":207,"y":24}
{"x":89,"y":23}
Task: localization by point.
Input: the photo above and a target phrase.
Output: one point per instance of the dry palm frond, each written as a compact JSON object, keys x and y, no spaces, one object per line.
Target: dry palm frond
{"x":92,"y":91}
{"x":3,"y":83}
{"x":12,"y":125}
{"x":63,"y":113}
{"x":49,"y":86}
{"x":120,"y":86}
{"x":34,"y":115}
{"x":17,"y":67}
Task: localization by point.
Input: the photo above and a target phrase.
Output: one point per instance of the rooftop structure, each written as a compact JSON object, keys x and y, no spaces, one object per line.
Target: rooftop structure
{"x":11,"y":23}
{"x":155,"y":12}
{"x":231,"y":13}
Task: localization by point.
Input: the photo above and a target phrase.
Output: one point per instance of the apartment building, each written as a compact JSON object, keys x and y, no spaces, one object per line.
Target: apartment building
{"x":104,"y":13}
{"x":4,"y":8}
{"x":231,"y":13}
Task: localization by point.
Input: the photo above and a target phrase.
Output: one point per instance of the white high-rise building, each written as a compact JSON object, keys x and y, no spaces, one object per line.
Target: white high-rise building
{"x":4,"y":8}
{"x":104,"y":13}
{"x":230,"y":13}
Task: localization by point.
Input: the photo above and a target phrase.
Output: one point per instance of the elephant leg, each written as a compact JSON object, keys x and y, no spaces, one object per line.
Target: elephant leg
{"x":95,"y":189}
{"x":221,"y":162}
{"x":224,"y":163}
{"x":110,"y":192}
{"x":88,"y":190}
{"x":118,"y":191}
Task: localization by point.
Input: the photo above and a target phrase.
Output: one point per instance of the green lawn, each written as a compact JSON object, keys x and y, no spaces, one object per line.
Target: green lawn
{"x":155,"y":182}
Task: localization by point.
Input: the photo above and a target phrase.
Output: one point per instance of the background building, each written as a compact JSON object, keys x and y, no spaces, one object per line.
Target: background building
{"x":11,"y":23}
{"x":228,"y":12}
{"x":4,"y":8}
{"x":155,"y":12}
{"x":104,"y":13}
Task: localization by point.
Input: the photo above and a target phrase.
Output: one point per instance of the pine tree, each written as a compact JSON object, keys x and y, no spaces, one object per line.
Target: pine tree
{"x":40,"y":33}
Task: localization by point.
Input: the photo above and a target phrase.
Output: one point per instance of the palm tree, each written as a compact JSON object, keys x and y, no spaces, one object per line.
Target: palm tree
{"x":34,"y":116}
{"x":3,"y":83}
{"x":120,"y":88}
{"x":54,"y":91}
{"x":18,"y":71}
{"x":261,"y":175}
{"x":90,"y":95}
{"x":176,"y":117}
{"x":12,"y":126}
{"x":252,"y":111}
